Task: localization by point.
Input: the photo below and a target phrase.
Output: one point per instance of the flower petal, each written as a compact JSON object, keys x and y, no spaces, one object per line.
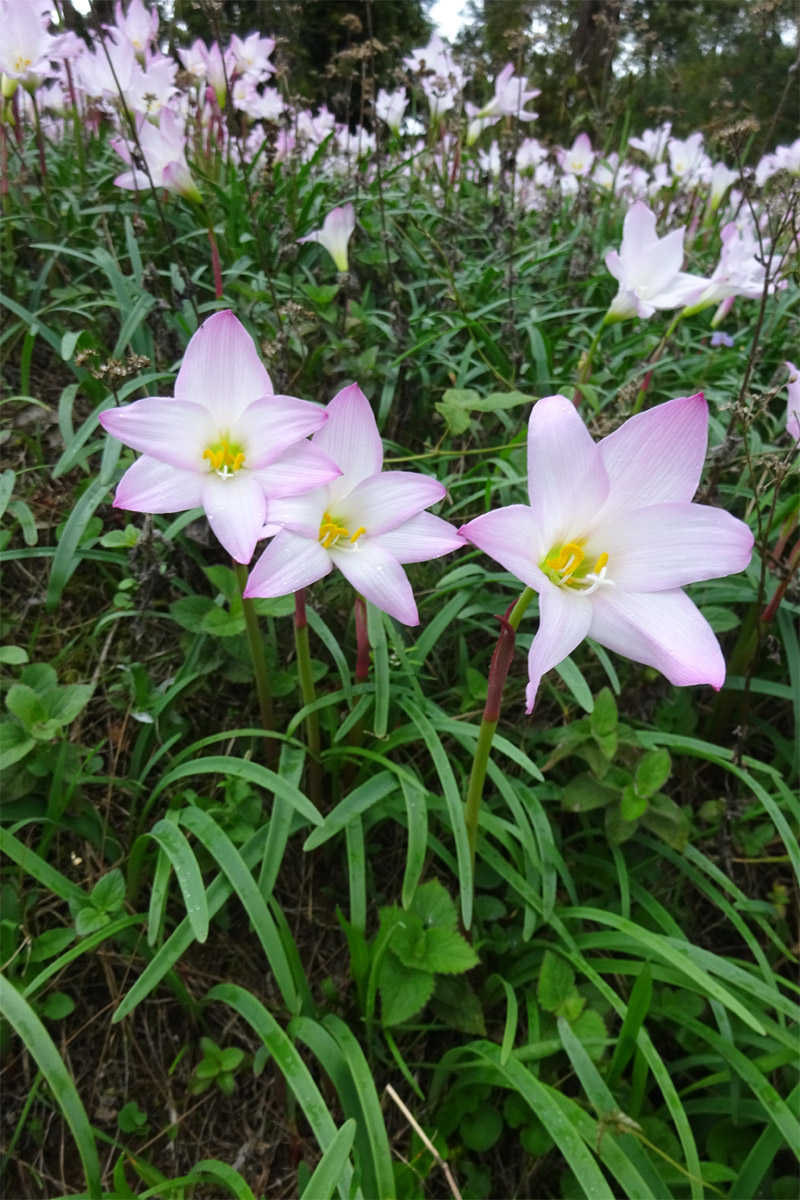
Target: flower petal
{"x":378,"y":576}
{"x":669,"y":545}
{"x":512,"y":537}
{"x":236,"y":508}
{"x":299,"y":469}
{"x":269,"y":426}
{"x":384,"y":501}
{"x":173,"y":431}
{"x":564,"y":619}
{"x":301,"y":514}
{"x":662,"y":630}
{"x":638,"y":237}
{"x":156,"y":487}
{"x":567,"y":481}
{"x":290,"y":562}
{"x":351,"y":436}
{"x":658,"y":454}
{"x":419,"y":538}
{"x":221,"y":369}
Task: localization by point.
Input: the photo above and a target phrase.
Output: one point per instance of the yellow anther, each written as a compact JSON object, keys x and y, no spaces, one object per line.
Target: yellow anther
{"x":568,"y":559}
{"x":601,"y":562}
{"x":239,"y":459}
{"x":358,"y":533}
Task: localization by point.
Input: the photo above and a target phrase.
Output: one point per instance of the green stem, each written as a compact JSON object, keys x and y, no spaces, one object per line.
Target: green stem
{"x":259,"y":662}
{"x":501,"y":660}
{"x":586,"y":369}
{"x":655,"y":356}
{"x":309,"y":695}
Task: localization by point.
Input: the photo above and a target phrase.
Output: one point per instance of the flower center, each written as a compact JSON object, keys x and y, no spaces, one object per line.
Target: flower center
{"x":567,"y":566}
{"x":224,"y":457}
{"x":331,"y":531}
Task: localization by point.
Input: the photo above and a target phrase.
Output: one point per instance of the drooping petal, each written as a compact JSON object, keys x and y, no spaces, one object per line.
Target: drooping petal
{"x":236,"y":508}
{"x":683,"y":289}
{"x":351,"y":436}
{"x":156,"y":487}
{"x":378,"y":576}
{"x":669,"y":545}
{"x":657,"y":455}
{"x":173,"y":431}
{"x":221,"y":369}
{"x":567,"y":481}
{"x":419,"y":538}
{"x":297,"y":470}
{"x":385,"y":501}
{"x":269,"y":426}
{"x":289,"y":562}
{"x":513,"y":538}
{"x":564,"y":619}
{"x":660,"y":629}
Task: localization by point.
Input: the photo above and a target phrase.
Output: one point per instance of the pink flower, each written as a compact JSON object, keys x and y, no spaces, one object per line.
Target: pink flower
{"x":793,"y":406}
{"x":648,"y":268}
{"x":224,"y":442}
{"x":611,"y":537}
{"x":337,"y":229}
{"x":164,"y":150}
{"x":366,"y":523}
{"x":738,"y":272}
{"x":579,"y":158}
{"x":138,"y":26}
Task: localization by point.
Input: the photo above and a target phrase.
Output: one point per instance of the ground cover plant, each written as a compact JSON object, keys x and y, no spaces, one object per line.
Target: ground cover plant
{"x":399,"y":666}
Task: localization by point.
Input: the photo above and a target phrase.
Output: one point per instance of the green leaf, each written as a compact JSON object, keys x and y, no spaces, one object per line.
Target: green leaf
{"x":457,"y":1004}
{"x":130,"y":1117}
{"x":13,"y":656}
{"x":667,"y":821}
{"x":89,"y":920}
{"x":448,"y":953}
{"x":556,"y":981}
{"x":456,"y":417}
{"x":603,"y":719}
{"x":65,"y":703}
{"x":631,"y":804}
{"x":175,"y":845}
{"x":26,"y":704}
{"x":231,"y":1058}
{"x":120,"y":538}
{"x":320,"y":294}
{"x":14,"y":744}
{"x":190,"y":611}
{"x":618,"y":830}
{"x":652,"y":772}
{"x":40,"y":1046}
{"x":57,"y":1006}
{"x":434,"y":906}
{"x":328,"y":1171}
{"x":220,"y":623}
{"x":590,"y":1029}
{"x":584,"y":793}
{"x":404,"y":990}
{"x":40,"y":676}
{"x":480,"y":1130}
{"x":108,"y":894}
{"x":501,"y":400}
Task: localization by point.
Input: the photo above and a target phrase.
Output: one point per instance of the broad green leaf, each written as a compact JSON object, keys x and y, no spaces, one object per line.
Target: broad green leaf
{"x":556,"y":981}
{"x":652,"y":772}
{"x":14,"y":744}
{"x":434,"y":906}
{"x":404,"y":990}
{"x":667,"y":820}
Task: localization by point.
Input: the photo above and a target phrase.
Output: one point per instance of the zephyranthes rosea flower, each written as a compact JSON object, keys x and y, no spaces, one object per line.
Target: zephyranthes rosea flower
{"x":225,"y":441}
{"x":611,"y":537}
{"x":366,"y":522}
{"x":337,"y":229}
{"x":648,"y":268}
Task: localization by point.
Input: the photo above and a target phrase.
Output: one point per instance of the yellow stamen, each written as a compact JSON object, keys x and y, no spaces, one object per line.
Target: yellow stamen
{"x":330,"y":531}
{"x":601,"y":562}
{"x":358,"y":533}
{"x":223,"y":457}
{"x":568,"y":559}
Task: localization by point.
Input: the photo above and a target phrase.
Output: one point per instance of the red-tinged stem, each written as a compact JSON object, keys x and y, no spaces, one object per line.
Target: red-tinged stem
{"x":498,"y":671}
{"x":306,"y":677}
{"x":215,"y":264}
{"x":770,"y":611}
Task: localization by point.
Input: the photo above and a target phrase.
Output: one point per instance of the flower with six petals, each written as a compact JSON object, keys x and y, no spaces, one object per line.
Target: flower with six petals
{"x":611,"y":537}
{"x":224,"y":442}
{"x":367,"y":522}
